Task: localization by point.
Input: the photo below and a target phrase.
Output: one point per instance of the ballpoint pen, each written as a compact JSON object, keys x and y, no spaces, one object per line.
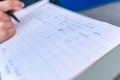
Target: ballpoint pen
{"x":10,"y":13}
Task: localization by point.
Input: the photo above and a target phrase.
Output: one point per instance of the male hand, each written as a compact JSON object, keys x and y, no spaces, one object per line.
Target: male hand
{"x":7,"y":29}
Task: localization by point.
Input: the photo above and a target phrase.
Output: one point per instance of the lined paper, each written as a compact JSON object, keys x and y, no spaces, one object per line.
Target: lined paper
{"x":55,"y":44}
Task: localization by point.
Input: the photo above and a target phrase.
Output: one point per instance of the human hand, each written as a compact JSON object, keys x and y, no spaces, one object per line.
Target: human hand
{"x":7,"y":29}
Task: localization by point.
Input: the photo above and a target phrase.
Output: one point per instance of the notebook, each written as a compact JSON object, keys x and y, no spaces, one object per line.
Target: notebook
{"x":53,"y":43}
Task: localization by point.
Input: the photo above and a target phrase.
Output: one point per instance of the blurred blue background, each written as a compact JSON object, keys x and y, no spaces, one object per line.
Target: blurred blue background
{"x":80,"y":5}
{"x":76,"y":5}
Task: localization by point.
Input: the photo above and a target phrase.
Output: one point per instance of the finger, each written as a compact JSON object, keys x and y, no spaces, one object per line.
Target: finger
{"x":10,"y":5}
{"x":11,"y":32}
{"x":5,"y":34}
{"x":4,"y":17}
{"x":6,"y":25}
{"x":9,"y":25}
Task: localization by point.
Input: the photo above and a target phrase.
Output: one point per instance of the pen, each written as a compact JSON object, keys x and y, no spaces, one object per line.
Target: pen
{"x":10,"y":13}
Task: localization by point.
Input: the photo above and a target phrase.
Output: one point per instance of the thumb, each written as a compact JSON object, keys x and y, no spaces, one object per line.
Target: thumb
{"x":10,"y":5}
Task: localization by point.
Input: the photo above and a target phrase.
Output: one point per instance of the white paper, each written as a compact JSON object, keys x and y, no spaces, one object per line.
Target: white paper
{"x":55,"y":44}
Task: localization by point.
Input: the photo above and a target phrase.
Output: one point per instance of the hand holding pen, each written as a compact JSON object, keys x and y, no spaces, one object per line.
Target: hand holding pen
{"x":7,"y":29}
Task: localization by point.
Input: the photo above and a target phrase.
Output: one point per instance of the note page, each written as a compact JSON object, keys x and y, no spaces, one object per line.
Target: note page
{"x":52,"y":43}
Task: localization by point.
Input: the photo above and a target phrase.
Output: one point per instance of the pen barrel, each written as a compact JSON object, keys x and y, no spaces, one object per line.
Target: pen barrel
{"x":10,"y":13}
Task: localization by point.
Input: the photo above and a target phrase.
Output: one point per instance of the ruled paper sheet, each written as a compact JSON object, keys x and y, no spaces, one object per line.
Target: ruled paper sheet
{"x":55,"y":44}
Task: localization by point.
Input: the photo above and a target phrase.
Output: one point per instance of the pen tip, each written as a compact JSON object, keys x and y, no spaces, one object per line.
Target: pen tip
{"x":17,"y":20}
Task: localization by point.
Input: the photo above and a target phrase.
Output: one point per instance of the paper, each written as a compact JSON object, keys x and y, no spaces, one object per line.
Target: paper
{"x":55,"y":44}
